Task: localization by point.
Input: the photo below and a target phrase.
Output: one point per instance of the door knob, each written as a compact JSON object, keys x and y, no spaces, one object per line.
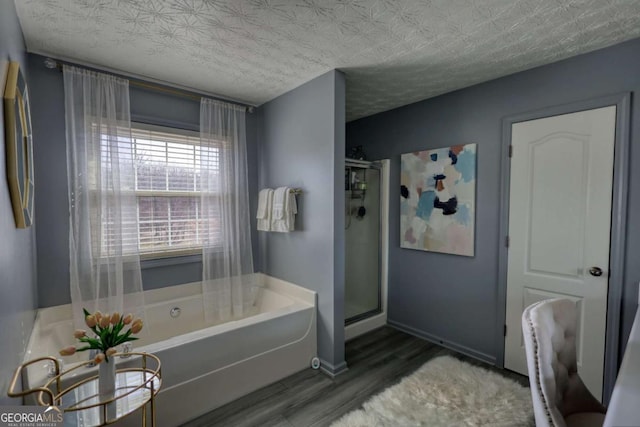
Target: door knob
{"x":595,"y":271}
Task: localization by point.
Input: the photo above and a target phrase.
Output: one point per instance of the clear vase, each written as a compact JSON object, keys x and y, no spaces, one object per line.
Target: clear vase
{"x":107,"y":378}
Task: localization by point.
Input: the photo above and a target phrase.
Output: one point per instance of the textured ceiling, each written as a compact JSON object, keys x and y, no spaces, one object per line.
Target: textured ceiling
{"x":393,"y":52}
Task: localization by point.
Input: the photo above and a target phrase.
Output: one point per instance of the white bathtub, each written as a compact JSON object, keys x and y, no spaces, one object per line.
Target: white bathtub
{"x":203,"y":367}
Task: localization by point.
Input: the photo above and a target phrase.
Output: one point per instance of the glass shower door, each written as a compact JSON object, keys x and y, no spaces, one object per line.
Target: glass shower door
{"x":362,"y":237}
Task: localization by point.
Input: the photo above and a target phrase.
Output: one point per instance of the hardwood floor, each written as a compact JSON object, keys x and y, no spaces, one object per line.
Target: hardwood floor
{"x":309,"y":398}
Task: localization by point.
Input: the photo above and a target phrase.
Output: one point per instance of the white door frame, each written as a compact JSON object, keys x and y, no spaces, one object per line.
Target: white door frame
{"x":618,"y":223}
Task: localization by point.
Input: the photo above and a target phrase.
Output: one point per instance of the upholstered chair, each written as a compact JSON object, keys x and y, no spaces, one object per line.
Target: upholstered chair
{"x":560,"y":398}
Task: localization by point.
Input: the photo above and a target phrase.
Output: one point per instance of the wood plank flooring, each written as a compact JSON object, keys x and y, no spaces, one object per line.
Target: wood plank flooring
{"x":309,"y":398}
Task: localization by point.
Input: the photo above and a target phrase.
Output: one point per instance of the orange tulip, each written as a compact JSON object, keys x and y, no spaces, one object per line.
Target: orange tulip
{"x":99,"y":358}
{"x":136,"y":326}
{"x":97,"y":315}
{"x":68,"y":351}
{"x":91,"y":321}
{"x":79,"y":333}
{"x":115,"y":318}
{"x":127,"y":319}
{"x":104,"y":321}
{"x":111,"y":351}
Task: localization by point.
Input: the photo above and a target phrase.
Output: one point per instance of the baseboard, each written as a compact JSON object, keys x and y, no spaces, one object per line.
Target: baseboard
{"x":444,"y":343}
{"x":331,"y":370}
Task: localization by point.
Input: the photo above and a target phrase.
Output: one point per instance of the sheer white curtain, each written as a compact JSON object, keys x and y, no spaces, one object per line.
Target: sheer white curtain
{"x":228,"y":282}
{"x":103,"y":223}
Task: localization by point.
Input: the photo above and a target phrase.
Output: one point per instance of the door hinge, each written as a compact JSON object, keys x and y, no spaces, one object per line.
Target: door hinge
{"x":510,"y":150}
{"x":507,"y":241}
{"x":505,"y":330}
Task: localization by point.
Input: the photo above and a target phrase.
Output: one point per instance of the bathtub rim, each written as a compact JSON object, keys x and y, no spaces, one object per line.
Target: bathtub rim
{"x":59,"y":313}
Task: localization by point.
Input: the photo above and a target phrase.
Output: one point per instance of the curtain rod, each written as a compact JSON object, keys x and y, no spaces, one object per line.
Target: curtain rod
{"x":52,"y":63}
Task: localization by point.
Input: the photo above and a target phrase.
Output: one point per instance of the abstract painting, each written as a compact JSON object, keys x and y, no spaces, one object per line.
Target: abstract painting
{"x":437,"y":200}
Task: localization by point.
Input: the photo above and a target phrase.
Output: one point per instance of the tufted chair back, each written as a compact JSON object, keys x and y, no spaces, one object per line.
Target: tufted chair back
{"x":558,"y":393}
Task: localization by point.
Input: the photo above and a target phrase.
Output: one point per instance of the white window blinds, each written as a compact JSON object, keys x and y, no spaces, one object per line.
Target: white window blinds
{"x":167,"y":189}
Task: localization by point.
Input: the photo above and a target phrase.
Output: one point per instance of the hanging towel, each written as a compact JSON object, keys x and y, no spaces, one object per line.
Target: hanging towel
{"x":265,"y":201}
{"x":284,"y":210}
{"x":279,"y":197}
{"x":291,"y":210}
{"x":262,"y":203}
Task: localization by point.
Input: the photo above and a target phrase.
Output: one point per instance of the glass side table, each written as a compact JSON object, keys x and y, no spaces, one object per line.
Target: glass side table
{"x":138,"y":380}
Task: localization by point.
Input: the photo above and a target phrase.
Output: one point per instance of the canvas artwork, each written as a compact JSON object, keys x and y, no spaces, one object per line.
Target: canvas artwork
{"x":437,"y":200}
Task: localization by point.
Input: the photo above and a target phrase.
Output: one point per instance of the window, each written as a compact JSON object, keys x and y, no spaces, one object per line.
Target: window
{"x":167,"y":190}
{"x":166,"y":218}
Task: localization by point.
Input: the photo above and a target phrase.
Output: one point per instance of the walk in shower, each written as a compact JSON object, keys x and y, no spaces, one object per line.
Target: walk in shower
{"x":363,"y":240}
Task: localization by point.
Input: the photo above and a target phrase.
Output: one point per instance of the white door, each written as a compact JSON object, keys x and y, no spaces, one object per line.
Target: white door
{"x":559,"y":228}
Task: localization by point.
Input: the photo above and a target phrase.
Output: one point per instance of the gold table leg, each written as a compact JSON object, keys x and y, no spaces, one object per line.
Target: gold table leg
{"x":153,"y":405}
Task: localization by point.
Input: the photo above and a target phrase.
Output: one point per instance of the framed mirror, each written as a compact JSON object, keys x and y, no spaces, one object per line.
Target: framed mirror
{"x":19,"y":146}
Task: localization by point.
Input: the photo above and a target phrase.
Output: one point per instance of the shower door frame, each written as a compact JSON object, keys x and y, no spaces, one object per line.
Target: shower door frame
{"x":356,"y":325}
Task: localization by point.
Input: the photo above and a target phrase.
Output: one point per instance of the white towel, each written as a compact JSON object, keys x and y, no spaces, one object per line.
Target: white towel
{"x":262,"y":203}
{"x":285,"y":209}
{"x":279,"y":198}
{"x":265,"y":201}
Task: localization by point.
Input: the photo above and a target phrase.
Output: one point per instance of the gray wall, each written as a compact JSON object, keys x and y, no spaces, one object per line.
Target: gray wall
{"x":302,"y":145}
{"x":453,"y":298}
{"x":51,"y":174}
{"x":18,"y":298}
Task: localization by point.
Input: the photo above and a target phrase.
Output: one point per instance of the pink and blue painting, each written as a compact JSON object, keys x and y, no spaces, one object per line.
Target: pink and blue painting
{"x":437,"y":200}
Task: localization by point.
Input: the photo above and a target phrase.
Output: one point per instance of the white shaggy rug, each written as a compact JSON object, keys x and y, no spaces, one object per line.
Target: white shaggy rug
{"x":446,"y":392}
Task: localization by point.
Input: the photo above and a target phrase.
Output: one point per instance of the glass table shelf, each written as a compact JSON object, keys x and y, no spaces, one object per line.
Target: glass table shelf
{"x":138,"y":381}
